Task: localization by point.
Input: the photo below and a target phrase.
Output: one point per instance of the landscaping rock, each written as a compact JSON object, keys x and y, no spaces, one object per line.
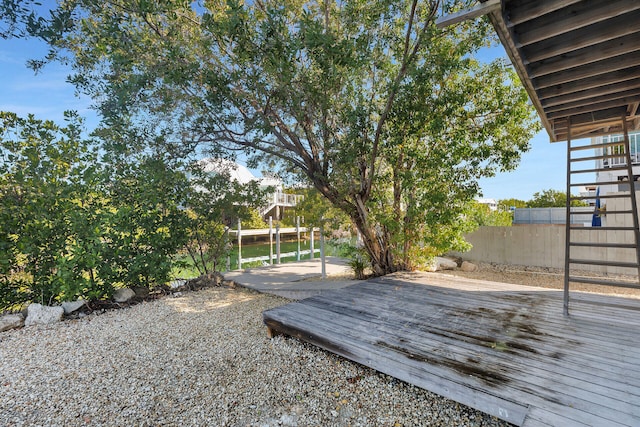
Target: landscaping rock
{"x":141,"y":291}
{"x":456,"y":259}
{"x":446,"y":264}
{"x":440,"y":263}
{"x":468,"y":266}
{"x":178,"y":283}
{"x":43,"y":315}
{"x":71,"y":306}
{"x":229,"y":284}
{"x":11,"y":321}
{"x":205,"y":281}
{"x":123,"y":295}
{"x":433,"y":267}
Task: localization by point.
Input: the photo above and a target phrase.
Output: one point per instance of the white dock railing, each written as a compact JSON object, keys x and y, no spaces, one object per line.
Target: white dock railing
{"x":277,"y":231}
{"x":282,"y":255}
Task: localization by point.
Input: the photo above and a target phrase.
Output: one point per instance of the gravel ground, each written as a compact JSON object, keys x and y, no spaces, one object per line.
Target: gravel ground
{"x":202,"y":359}
{"x":552,"y":278}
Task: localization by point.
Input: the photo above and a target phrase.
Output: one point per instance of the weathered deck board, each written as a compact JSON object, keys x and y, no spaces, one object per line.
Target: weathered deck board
{"x":503,"y":349}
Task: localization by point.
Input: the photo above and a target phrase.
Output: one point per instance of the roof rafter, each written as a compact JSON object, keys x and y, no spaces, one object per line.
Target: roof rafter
{"x":577,"y":59}
{"x":476,"y":11}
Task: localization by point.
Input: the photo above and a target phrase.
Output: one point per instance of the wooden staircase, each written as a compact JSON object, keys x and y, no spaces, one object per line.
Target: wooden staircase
{"x":615,"y":244}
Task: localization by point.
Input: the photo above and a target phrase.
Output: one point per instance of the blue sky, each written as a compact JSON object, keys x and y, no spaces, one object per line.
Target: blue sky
{"x":48,"y":95}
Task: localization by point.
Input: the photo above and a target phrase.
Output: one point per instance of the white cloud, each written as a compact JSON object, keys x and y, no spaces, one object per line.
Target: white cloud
{"x":38,"y":83}
{"x":23,"y":110}
{"x":7,"y":57}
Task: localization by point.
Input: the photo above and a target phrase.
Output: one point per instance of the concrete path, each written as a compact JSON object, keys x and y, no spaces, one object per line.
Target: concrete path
{"x":295,"y":280}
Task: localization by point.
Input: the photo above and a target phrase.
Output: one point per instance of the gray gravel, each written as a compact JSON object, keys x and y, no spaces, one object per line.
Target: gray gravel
{"x":545,"y":277}
{"x":202,"y":359}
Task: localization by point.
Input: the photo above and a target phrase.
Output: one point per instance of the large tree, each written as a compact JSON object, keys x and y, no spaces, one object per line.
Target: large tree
{"x":552,"y":198}
{"x":390,"y":118}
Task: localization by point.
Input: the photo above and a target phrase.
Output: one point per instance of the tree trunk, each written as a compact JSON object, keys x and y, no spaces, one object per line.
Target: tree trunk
{"x":376,"y":242}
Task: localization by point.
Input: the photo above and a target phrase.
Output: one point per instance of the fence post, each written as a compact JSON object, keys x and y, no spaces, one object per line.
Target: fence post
{"x":226,"y":242}
{"x":278,"y":243}
{"x":298,"y":237}
{"x":239,"y":244}
{"x":311,"y":243}
{"x":324,"y":265}
{"x":270,"y":240}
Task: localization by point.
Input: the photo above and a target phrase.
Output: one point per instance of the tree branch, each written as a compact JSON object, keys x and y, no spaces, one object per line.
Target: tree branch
{"x":406,"y":60}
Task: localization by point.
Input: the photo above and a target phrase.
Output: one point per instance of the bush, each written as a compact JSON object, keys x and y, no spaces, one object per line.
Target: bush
{"x":358,"y":259}
{"x":145,"y":225}
{"x":70,"y":228}
{"x":45,"y":181}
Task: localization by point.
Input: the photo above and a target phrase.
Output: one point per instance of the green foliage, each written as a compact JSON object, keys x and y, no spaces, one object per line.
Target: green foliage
{"x":16,"y":15}
{"x":358,"y":259}
{"x":390,"y":118}
{"x":144,"y":224}
{"x":215,"y":204}
{"x":481,"y":215}
{"x":552,"y":198}
{"x":253,"y":221}
{"x":71,"y":226}
{"x":47,"y":192}
{"x":208,"y":245}
{"x":317,"y":211}
{"x":509,"y":203}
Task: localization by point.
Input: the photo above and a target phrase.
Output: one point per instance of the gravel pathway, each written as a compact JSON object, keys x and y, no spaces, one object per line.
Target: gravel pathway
{"x":544,"y":277}
{"x":202,"y":359}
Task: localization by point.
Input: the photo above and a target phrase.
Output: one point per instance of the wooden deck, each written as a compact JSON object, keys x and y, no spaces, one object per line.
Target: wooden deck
{"x":503,"y":349}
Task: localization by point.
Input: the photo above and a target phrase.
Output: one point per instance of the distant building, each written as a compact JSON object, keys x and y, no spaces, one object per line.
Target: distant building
{"x":237,"y":172}
{"x":614,"y":166}
{"x":492,"y":203}
{"x":588,"y":191}
{"x":274,"y":204}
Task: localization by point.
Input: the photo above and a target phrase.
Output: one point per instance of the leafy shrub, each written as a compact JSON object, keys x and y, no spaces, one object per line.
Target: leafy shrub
{"x":215,"y":203}
{"x":71,"y":228}
{"x":45,"y":174}
{"x":358,"y":259}
{"x":145,"y":224}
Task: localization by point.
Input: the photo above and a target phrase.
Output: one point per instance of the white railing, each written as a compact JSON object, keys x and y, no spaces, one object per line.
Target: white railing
{"x":275,"y":256}
{"x":277,"y":231}
{"x":279,"y":199}
{"x":634,"y":142}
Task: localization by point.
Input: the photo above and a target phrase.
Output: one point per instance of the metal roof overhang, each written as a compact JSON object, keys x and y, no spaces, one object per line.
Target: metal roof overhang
{"x":579,"y":60}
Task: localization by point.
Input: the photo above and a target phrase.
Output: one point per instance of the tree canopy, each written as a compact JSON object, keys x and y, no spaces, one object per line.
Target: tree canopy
{"x":512,"y":202}
{"x":483,"y":216}
{"x":388,"y":117}
{"x":552,"y":198}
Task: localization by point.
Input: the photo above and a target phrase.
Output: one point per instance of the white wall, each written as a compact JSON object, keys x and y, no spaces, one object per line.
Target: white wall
{"x":531,"y":245}
{"x":543,"y":246}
